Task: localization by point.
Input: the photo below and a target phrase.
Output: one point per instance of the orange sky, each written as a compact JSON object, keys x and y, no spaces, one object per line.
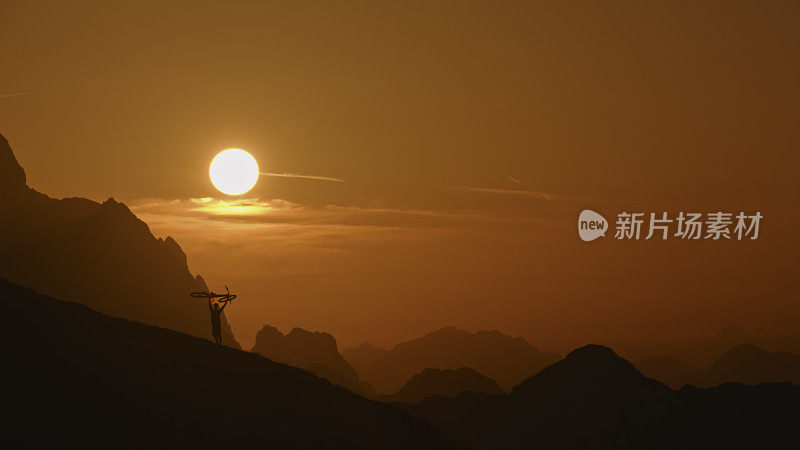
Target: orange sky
{"x":425,"y":109}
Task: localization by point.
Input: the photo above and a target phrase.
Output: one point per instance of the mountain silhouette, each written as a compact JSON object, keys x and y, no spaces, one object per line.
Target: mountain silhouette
{"x":745,"y":363}
{"x":503,"y":358}
{"x":594,"y":399}
{"x":314,"y":351}
{"x":101,"y":255}
{"x":363,"y":356}
{"x":591,"y":373}
{"x":447,"y":383}
{"x":75,"y":377}
{"x":668,"y":370}
{"x":702,"y":351}
{"x":749,"y":364}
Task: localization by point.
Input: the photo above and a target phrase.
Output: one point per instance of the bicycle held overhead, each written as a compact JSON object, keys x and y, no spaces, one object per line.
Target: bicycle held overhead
{"x":214,"y":302}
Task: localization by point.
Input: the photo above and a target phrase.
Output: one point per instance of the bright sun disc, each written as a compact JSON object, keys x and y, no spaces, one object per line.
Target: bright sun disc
{"x":233,"y":171}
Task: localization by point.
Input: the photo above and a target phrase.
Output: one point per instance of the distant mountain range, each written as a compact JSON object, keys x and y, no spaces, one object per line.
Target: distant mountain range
{"x":744,"y":363}
{"x":447,"y":383}
{"x":593,"y":399}
{"x":503,"y":358}
{"x":101,"y":255}
{"x":78,"y":378}
{"x":702,"y":351}
{"x":313,"y":351}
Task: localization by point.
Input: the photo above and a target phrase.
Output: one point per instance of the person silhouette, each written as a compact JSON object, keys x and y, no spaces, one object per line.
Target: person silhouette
{"x":216,"y":320}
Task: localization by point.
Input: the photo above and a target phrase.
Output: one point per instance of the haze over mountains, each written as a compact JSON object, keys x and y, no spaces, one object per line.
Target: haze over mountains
{"x":79,"y":378}
{"x":503,"y":358}
{"x":363,"y":356}
{"x":97,"y":254}
{"x":745,"y":363}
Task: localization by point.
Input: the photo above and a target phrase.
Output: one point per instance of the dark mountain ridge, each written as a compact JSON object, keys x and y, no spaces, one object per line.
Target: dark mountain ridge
{"x":594,"y":399}
{"x":98,"y":254}
{"x":75,"y":377}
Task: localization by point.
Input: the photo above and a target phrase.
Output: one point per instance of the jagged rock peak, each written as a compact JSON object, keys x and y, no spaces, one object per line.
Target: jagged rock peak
{"x":12,"y":175}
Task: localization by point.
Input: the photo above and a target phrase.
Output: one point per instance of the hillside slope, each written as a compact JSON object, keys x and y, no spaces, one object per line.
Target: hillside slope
{"x":101,"y":255}
{"x":76,"y":377}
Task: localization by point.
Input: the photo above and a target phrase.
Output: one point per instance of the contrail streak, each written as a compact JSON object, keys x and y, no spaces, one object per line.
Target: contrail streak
{"x":16,"y":94}
{"x":532,"y":194}
{"x":297,"y":175}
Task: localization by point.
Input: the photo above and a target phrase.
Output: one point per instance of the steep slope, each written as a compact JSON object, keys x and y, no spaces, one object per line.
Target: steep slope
{"x":503,"y":358}
{"x":81,"y":378}
{"x":447,"y":383}
{"x":361,"y":388}
{"x":593,"y":399}
{"x":98,"y":254}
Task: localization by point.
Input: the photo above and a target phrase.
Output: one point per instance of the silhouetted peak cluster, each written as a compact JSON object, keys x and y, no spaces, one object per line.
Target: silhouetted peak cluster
{"x":267,"y":333}
{"x":302,"y":348}
{"x":325,"y":341}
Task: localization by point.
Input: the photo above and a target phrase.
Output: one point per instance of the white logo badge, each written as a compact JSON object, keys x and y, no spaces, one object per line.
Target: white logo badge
{"x":591,"y":225}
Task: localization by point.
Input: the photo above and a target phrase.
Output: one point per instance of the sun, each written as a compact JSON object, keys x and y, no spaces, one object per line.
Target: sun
{"x":233,"y":171}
